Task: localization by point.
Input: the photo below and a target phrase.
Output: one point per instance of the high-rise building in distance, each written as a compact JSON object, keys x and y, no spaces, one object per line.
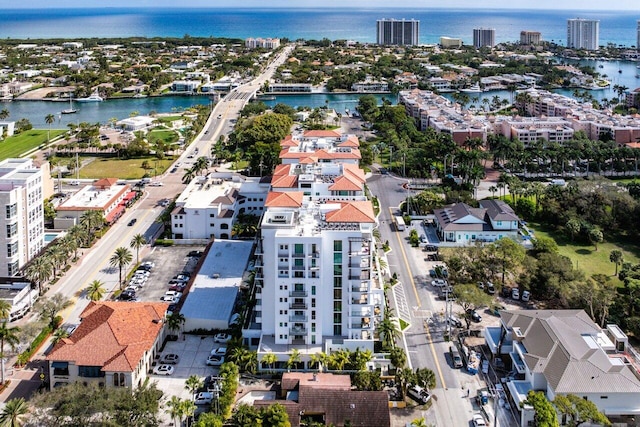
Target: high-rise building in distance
{"x":530,"y":37}
{"x":638,"y":37}
{"x":398,"y":32}
{"x":583,"y":34}
{"x":484,"y":37}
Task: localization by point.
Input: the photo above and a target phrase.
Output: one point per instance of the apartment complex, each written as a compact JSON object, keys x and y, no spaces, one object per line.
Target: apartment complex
{"x":23,"y":188}
{"x":583,"y":34}
{"x":484,"y":37}
{"x":316,"y":288}
{"x":450,"y":42}
{"x":398,"y":32}
{"x":267,"y":43}
{"x":530,"y":37}
{"x":554,"y":117}
{"x":561,"y":352}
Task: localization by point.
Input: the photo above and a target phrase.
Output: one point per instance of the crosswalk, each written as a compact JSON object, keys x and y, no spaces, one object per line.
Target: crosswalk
{"x":402,"y":306}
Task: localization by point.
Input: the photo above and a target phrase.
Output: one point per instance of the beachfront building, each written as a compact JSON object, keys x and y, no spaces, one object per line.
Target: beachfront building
{"x":104,"y":196}
{"x":530,"y":37}
{"x":583,"y":34}
{"x":562,"y":352}
{"x":115,"y":345}
{"x":398,"y":32}
{"x":267,"y":43}
{"x":23,"y":189}
{"x":210,"y":204}
{"x":484,"y":37}
{"x":316,"y":286}
{"x":450,"y":42}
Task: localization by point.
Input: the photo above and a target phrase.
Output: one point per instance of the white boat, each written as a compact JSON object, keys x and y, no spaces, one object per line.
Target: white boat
{"x":94,"y":97}
{"x":139,"y":95}
{"x":472,"y":89}
{"x":69,"y":110}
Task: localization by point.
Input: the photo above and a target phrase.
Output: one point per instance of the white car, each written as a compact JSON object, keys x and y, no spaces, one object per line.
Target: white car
{"x":438,"y":283}
{"x":171,"y":295}
{"x":156,"y":184}
{"x":220,"y":351}
{"x":203,"y":398}
{"x":215,"y":360}
{"x":526,"y":296}
{"x":515,"y":293}
{"x":478,"y":421}
{"x":221,"y":338}
{"x":163,"y":370}
{"x":170,"y":359}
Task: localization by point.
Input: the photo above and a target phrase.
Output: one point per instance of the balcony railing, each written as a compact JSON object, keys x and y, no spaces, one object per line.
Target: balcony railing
{"x":363,"y":275}
{"x":298,"y":255}
{"x":298,"y":341}
{"x":298,"y":330}
{"x":301,"y":319}
{"x":298,"y":294}
{"x":298,"y":306}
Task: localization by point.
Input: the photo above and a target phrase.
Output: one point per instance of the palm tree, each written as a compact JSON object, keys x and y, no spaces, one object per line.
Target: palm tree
{"x":389,"y":331}
{"x":5,"y":309}
{"x":320,"y":360}
{"x":8,"y":335}
{"x":40,"y":271}
{"x":136,"y":243}
{"x":121,"y":258}
{"x":4,"y":114}
{"x":49,"y":119}
{"x":189,"y":174}
{"x":58,"y":335}
{"x":92,"y":221}
{"x":193,"y":383}
{"x":294,"y":358}
{"x":175,"y":321}
{"x":95,"y":291}
{"x":175,"y":410}
{"x":617,"y":258}
{"x":269,"y":359}
{"x":14,"y":413}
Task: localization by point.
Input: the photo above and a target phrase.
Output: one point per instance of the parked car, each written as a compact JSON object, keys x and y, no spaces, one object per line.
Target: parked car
{"x":170,"y":359}
{"x":454,"y":321}
{"x":478,"y":421}
{"x":147,"y":265}
{"x":132,"y":222}
{"x":220,"y":351}
{"x":419,"y":394}
{"x":222,"y":338}
{"x":526,"y":296}
{"x":163,"y":370}
{"x":203,"y":398}
{"x":178,"y":287}
{"x":215,"y":360}
{"x":474,"y":315}
{"x":455,"y":357}
{"x":490,"y":288}
{"x":506,"y":291}
{"x":438,"y":283}
{"x":515,"y":293}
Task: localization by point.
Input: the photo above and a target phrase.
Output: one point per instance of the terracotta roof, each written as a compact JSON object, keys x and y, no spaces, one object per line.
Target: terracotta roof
{"x":322,"y":134}
{"x":113,"y":335}
{"x":351,"y":141}
{"x":361,"y":212}
{"x":291,"y":380}
{"x":292,"y":199}
{"x":344,"y":183}
{"x":105,"y":182}
{"x":361,"y":408}
{"x":288,"y":141}
{"x":284,"y":181}
{"x":354,"y":171}
{"x":227,"y":199}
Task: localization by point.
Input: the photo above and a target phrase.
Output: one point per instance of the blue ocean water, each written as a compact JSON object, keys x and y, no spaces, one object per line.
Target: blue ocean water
{"x":349,"y":23}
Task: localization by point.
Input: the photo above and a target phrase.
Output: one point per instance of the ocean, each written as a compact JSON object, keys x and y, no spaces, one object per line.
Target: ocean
{"x":359,"y":24}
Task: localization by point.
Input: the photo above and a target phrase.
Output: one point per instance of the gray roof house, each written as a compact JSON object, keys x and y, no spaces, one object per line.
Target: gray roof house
{"x":460,"y":224}
{"x":564,"y":352}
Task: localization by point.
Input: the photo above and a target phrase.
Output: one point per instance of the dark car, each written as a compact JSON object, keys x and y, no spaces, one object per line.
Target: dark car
{"x":173,"y":170}
{"x":474,"y":315}
{"x":132,"y":222}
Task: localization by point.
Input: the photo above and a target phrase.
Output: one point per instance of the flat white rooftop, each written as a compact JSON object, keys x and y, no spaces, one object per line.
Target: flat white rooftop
{"x":93,"y":197}
{"x":215,"y":288}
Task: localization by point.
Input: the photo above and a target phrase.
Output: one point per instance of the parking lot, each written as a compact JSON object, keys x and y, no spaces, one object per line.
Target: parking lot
{"x":169,"y":262}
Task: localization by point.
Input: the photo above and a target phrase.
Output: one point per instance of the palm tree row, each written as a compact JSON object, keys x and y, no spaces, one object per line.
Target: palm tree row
{"x":201,"y":165}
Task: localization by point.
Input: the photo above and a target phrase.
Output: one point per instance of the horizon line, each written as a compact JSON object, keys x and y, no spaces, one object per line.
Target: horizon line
{"x":22,"y":7}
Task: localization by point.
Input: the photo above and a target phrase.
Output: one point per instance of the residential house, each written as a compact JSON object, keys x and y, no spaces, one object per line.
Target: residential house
{"x":115,"y":345}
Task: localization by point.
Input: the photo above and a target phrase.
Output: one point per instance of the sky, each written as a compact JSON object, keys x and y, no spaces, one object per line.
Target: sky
{"x":487,"y":4}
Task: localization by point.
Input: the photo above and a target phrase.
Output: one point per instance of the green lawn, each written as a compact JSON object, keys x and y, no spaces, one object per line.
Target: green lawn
{"x":168,"y":119}
{"x":168,"y":136}
{"x":17,"y":145}
{"x":123,"y":169}
{"x":586,"y":258}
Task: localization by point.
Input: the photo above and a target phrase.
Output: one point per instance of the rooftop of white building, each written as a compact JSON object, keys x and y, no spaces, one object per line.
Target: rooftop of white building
{"x":215,"y":288}
{"x":218,"y":189}
{"x":99,"y":195}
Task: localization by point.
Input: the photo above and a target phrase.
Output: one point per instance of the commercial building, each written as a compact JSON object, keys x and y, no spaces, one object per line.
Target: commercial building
{"x":530,"y":37}
{"x":316,"y":286}
{"x":114,"y":345}
{"x":583,"y":34}
{"x":104,"y":195}
{"x":210,"y":204}
{"x":398,"y":32}
{"x":562,"y":352}
{"x":450,"y":42}
{"x":484,"y":37}
{"x":18,"y":293}
{"x":23,"y":189}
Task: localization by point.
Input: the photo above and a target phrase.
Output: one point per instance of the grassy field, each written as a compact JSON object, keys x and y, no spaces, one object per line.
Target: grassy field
{"x":123,"y":169}
{"x":586,"y":258}
{"x":168,"y":136}
{"x":15,"y":146}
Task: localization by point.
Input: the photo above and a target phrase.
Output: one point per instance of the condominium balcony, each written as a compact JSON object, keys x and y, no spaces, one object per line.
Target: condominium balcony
{"x":298,"y":306}
{"x":298,"y":330}
{"x":363,"y":263}
{"x":298,"y":294}
{"x":298,"y":318}
{"x":363,"y":275}
{"x":298,"y":255}
{"x":363,"y":300}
